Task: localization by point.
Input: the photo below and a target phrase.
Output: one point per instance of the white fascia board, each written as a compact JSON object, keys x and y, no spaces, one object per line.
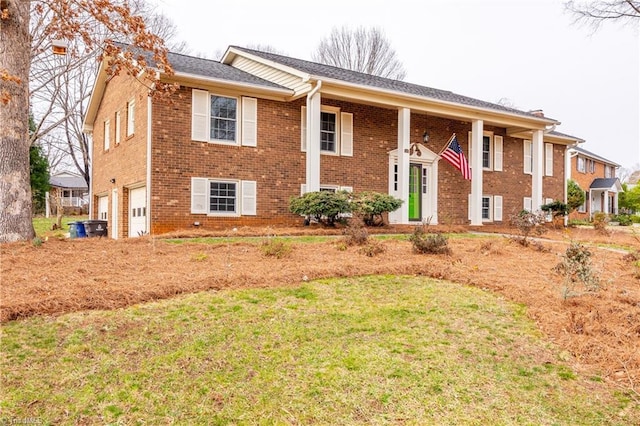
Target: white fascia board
{"x":281,"y":93}
{"x":99,"y":86}
{"x":540,"y":121}
{"x":231,"y":53}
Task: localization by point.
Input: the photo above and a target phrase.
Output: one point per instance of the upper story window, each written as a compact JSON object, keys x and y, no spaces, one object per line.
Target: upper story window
{"x":223,"y":118}
{"x":581,"y":165}
{"x":117,"y":136}
{"x":608,"y":172}
{"x":328,"y":132}
{"x":486,"y":152}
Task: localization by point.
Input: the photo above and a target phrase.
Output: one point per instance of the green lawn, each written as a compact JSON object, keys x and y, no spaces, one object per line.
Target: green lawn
{"x":43,"y":225}
{"x":368,"y":350}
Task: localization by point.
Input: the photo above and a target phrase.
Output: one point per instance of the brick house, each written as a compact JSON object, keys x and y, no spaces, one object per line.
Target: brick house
{"x":597,"y":178}
{"x":245,"y":134}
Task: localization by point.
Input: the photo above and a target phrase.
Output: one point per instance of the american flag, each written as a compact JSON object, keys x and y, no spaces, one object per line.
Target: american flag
{"x":454,"y":155}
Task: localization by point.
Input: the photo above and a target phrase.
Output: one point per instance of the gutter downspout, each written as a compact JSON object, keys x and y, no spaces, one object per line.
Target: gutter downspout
{"x":148,"y":183}
{"x":312,"y":171}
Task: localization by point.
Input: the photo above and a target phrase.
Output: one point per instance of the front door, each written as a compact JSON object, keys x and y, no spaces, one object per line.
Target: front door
{"x":415,"y":192}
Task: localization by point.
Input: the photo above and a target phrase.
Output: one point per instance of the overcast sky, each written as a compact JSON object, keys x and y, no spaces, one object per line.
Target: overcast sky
{"x":527,"y":51}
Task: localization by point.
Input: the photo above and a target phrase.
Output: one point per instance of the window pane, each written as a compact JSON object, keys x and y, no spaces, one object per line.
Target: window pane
{"x":223,"y":118}
{"x":328,"y":131}
{"x":485,"y":207}
{"x":222,"y":197}
{"x":486,"y":151}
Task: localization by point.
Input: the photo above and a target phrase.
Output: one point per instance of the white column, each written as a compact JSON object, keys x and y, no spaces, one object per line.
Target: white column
{"x":47,"y":209}
{"x":404,"y":123}
{"x":605,"y":207}
{"x":313,"y":143}
{"x":537,"y":146}
{"x":615,"y":202}
{"x":477,"y":130}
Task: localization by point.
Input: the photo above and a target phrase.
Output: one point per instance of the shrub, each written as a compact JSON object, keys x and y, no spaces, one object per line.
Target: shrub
{"x":323,"y":206}
{"x":432,"y":243}
{"x":600,"y":221}
{"x":575,"y":266}
{"x":371,"y":206}
{"x":623,"y":219}
{"x":355,"y":233}
{"x":372,"y":248}
{"x":557,"y":208}
{"x":527,"y":224}
{"x":275,"y":247}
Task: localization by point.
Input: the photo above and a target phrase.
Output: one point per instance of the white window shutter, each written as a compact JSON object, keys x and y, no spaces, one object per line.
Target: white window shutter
{"x":303,"y":189}
{"x":107,"y":135}
{"x":528,"y":204}
{"x":469,"y":206}
{"x":117,"y":136}
{"x":527,"y":157}
{"x":497,"y":208}
{"x":199,"y":189}
{"x":131,"y":117}
{"x":249,"y":196}
{"x":498,"y":143}
{"x":548,"y":159}
{"x":200,"y":115}
{"x":303,"y":129}
{"x":346,"y":123}
{"x":249,"y":122}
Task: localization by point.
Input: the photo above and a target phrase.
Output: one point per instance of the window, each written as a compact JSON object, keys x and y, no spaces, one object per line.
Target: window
{"x":580,"y":165}
{"x":223,"y":118}
{"x":131,"y":106}
{"x":486,"y":152}
{"x":583,"y":206}
{"x":336,"y":131}
{"x":609,"y":172}
{"x":592,"y":167}
{"x":117,"y":137}
{"x":222,"y":197}
{"x":395,"y":177}
{"x":548,"y":159}
{"x":492,"y":151}
{"x":486,"y":208}
{"x":107,"y":136}
{"x":328,"y":132}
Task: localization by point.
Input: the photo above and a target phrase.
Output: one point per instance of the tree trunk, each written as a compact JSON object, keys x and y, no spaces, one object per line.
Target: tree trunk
{"x":15,"y":190}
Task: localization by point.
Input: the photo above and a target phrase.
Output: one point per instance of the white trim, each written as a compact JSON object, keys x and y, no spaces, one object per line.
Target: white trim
{"x":527,"y":148}
{"x":114,"y":214}
{"x":346,"y":134}
{"x":527,"y":204}
{"x":117,"y":129}
{"x":199,"y":195}
{"x":303,"y":128}
{"x":107,"y":135}
{"x":497,"y":208}
{"x":249,"y":197}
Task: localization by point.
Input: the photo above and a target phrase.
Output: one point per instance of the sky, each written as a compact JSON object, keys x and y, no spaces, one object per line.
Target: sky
{"x":530,"y":53}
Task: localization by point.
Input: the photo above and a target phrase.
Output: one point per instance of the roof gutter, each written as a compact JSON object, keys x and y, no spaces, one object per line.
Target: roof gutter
{"x":545,"y":120}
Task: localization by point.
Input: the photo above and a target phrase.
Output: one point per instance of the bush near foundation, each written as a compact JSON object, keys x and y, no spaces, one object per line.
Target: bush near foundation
{"x":323,"y":206}
{"x":371,"y":206}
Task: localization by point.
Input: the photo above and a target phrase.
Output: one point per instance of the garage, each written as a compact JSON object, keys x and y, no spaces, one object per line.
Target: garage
{"x":137,"y":212}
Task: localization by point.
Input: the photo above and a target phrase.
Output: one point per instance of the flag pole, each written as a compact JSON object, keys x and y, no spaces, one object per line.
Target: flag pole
{"x":446,"y":145}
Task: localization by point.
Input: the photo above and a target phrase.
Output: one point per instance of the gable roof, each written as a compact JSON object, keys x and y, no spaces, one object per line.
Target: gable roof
{"x":591,"y":155}
{"x":67,"y":180}
{"x":358,"y":78}
{"x":191,"y":65}
{"x":605,"y":183}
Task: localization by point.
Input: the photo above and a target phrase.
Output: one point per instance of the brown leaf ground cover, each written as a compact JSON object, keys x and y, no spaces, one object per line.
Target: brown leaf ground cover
{"x":600,"y":332}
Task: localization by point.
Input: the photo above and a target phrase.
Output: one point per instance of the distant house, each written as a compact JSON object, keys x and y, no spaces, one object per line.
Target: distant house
{"x":244,"y":135}
{"x":72,"y":190}
{"x":597,"y":177}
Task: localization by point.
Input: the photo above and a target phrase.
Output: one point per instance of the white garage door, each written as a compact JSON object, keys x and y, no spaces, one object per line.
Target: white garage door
{"x":103,"y":208}
{"x":138,"y":212}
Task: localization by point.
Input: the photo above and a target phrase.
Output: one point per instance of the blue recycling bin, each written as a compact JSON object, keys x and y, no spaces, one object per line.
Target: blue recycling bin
{"x":76,"y":230}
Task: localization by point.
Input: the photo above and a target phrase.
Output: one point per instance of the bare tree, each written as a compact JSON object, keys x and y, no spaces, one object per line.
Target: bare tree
{"x":363,"y":50}
{"x":66,"y":20}
{"x":61,"y":87}
{"x":597,"y":12}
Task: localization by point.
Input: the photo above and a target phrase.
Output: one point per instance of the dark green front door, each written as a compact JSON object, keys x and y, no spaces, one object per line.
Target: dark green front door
{"x":415,"y":198}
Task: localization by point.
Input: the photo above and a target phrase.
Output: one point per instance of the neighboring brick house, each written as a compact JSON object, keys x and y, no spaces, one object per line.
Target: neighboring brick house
{"x":245,"y":134}
{"x":597,"y":178}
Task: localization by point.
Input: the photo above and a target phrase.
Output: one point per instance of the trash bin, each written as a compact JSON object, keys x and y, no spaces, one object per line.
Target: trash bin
{"x":95,"y":228}
{"x":80,"y":231}
{"x":73,"y":229}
